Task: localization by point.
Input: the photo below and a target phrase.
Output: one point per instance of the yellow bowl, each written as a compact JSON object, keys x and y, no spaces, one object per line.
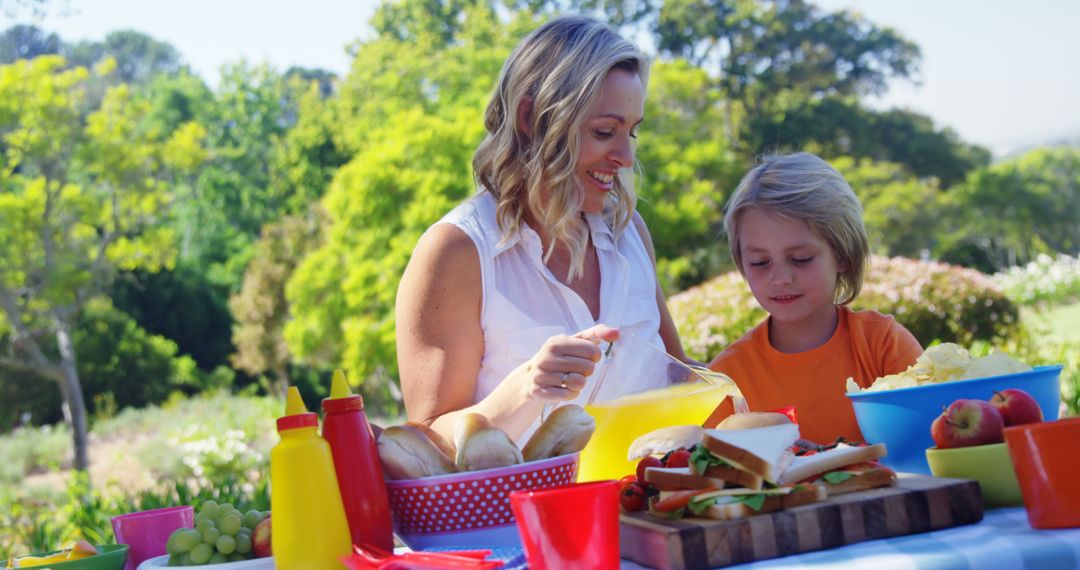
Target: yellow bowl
{"x":990,"y":465}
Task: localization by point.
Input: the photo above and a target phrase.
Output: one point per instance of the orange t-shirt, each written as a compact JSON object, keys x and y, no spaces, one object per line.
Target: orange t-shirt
{"x":865,"y":346}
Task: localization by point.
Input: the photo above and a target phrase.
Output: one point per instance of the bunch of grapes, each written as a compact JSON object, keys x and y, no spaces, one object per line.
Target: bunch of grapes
{"x":221,"y":534}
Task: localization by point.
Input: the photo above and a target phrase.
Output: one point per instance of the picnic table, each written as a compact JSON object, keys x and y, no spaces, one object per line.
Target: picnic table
{"x":1003,"y":539}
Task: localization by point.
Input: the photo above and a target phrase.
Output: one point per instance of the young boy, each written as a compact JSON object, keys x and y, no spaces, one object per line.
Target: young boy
{"x":796,"y":234}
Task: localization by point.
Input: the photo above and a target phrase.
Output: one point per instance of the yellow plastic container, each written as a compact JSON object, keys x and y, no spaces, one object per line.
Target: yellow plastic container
{"x":310,"y":531}
{"x":620,"y":421}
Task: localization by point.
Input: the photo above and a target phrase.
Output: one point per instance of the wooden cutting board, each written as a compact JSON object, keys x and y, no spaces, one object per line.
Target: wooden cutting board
{"x":916,"y":504}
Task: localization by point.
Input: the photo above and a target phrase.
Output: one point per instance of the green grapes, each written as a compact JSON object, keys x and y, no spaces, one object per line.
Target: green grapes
{"x":222,"y":533}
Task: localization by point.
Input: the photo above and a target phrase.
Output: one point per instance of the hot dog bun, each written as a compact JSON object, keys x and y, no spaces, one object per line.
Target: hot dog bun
{"x":481,"y":445}
{"x":407,"y":453}
{"x":435,"y":437}
{"x":751,"y":420}
{"x":566,"y":430}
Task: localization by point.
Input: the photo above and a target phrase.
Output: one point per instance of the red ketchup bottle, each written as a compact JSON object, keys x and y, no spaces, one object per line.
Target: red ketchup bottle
{"x":359,"y":470}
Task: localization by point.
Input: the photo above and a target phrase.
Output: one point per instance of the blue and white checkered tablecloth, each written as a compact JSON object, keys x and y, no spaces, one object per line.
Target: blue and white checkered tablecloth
{"x":1003,"y":539}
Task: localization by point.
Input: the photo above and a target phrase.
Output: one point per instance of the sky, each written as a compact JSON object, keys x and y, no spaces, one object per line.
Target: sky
{"x":1001,"y":73}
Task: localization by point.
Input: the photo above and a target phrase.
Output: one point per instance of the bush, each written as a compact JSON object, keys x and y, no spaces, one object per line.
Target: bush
{"x":29,"y":449}
{"x":1045,"y":281}
{"x":937,"y":301}
{"x":43,"y":523}
{"x":934,"y":301}
{"x":120,"y":365}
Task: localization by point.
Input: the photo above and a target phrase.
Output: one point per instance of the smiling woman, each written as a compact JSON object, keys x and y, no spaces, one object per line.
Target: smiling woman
{"x":505,"y":299}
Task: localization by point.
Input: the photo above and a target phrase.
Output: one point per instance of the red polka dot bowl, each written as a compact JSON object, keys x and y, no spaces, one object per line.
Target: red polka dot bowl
{"x":471,"y":509}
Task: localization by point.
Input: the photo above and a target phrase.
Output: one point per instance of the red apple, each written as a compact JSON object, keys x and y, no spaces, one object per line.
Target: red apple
{"x":1017,"y":407}
{"x":966,"y":423}
{"x":260,"y":539}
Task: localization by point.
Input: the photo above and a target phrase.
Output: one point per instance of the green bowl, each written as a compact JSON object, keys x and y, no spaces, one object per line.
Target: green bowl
{"x":110,"y":557}
{"x":990,"y":465}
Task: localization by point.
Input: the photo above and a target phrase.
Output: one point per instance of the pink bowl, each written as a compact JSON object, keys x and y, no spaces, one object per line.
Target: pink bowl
{"x":470,"y":509}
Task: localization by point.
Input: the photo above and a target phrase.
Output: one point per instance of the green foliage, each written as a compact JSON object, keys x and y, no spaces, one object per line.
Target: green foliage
{"x":1034,"y":201}
{"x":40,"y":524}
{"x":120,"y":365}
{"x":27,"y":450}
{"x":32,"y":520}
{"x":260,"y":309}
{"x":936,"y":301}
{"x":178,"y":443}
{"x":899,"y":210}
{"x":770,"y":57}
{"x":152,"y":299}
{"x":139,"y":57}
{"x":27,"y":42}
{"x":688,"y":170}
{"x":1045,"y":281}
{"x":932,"y":300}
{"x":410,"y":113}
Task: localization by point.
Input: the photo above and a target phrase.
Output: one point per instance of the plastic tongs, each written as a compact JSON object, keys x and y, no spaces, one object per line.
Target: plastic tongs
{"x":372,"y":558}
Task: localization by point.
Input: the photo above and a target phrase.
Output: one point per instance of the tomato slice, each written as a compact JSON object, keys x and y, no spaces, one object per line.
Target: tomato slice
{"x":677,"y":500}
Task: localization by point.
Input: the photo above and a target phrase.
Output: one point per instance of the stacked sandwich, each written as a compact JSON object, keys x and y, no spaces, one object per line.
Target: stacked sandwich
{"x":750,"y":464}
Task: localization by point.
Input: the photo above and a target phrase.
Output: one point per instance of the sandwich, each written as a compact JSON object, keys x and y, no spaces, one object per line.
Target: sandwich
{"x":708,"y":467}
{"x":735,"y":503}
{"x":746,"y":457}
{"x":841,"y":468}
{"x":733,"y":473}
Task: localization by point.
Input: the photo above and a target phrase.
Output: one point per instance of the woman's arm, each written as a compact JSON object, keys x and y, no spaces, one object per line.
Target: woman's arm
{"x":440,"y":344}
{"x":668,"y":332}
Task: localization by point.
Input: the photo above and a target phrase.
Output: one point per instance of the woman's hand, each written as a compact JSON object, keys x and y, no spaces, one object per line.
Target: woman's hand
{"x":558,"y":371}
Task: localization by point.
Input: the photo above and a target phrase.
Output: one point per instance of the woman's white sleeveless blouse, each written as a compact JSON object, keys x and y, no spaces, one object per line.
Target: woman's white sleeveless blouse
{"x":524,"y":304}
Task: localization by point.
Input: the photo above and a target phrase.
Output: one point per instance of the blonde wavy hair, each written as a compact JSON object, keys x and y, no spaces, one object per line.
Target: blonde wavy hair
{"x":802,"y":186}
{"x":560,"y":68}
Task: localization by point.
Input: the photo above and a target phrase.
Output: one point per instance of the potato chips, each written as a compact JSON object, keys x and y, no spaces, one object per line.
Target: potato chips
{"x":943,"y":363}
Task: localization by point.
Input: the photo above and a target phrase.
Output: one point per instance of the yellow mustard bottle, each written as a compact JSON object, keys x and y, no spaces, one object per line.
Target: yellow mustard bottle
{"x":310,"y":531}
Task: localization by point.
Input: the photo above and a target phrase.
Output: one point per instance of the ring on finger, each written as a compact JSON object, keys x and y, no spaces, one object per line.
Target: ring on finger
{"x":562,"y":382}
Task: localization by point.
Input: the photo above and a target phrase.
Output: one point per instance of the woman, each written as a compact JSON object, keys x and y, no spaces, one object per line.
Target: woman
{"x":506,"y":299}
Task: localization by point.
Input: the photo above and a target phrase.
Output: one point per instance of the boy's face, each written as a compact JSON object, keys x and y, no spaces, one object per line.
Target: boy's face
{"x":790,"y":268}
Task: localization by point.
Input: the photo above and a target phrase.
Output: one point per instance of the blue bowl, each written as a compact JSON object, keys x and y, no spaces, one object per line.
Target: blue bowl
{"x":901,"y":418}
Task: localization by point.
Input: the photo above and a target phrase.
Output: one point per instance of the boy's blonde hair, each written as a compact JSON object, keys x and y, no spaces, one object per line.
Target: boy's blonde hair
{"x":560,"y":68}
{"x":802,"y":186}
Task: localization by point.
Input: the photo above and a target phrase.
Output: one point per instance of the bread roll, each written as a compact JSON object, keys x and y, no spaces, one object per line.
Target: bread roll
{"x":664,"y":440}
{"x":407,"y":453}
{"x":565,"y":431}
{"x":435,"y":438}
{"x":751,"y":420}
{"x":481,"y":445}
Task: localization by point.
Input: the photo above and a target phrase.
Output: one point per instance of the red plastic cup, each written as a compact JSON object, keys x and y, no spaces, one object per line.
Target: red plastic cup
{"x":571,"y":527}
{"x":146,"y":532}
{"x":1044,"y":456}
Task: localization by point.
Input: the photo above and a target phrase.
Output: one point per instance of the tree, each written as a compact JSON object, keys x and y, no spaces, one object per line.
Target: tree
{"x":688,"y":170}
{"x":83,"y":192}
{"x":1034,"y":201}
{"x":26,"y":42}
{"x":260,"y":309}
{"x":409,"y":114}
{"x":902,"y":213}
{"x":139,"y":57}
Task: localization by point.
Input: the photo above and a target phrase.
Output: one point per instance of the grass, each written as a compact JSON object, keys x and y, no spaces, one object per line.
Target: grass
{"x":1060,"y":324}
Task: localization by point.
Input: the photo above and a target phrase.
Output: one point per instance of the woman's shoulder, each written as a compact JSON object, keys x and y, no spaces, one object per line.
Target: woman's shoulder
{"x":446,"y":244}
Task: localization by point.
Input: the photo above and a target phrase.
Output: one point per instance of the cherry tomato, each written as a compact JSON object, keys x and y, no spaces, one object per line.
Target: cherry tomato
{"x":627,"y":480}
{"x":632,"y":497}
{"x":648,"y":461}
{"x":678,"y":458}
